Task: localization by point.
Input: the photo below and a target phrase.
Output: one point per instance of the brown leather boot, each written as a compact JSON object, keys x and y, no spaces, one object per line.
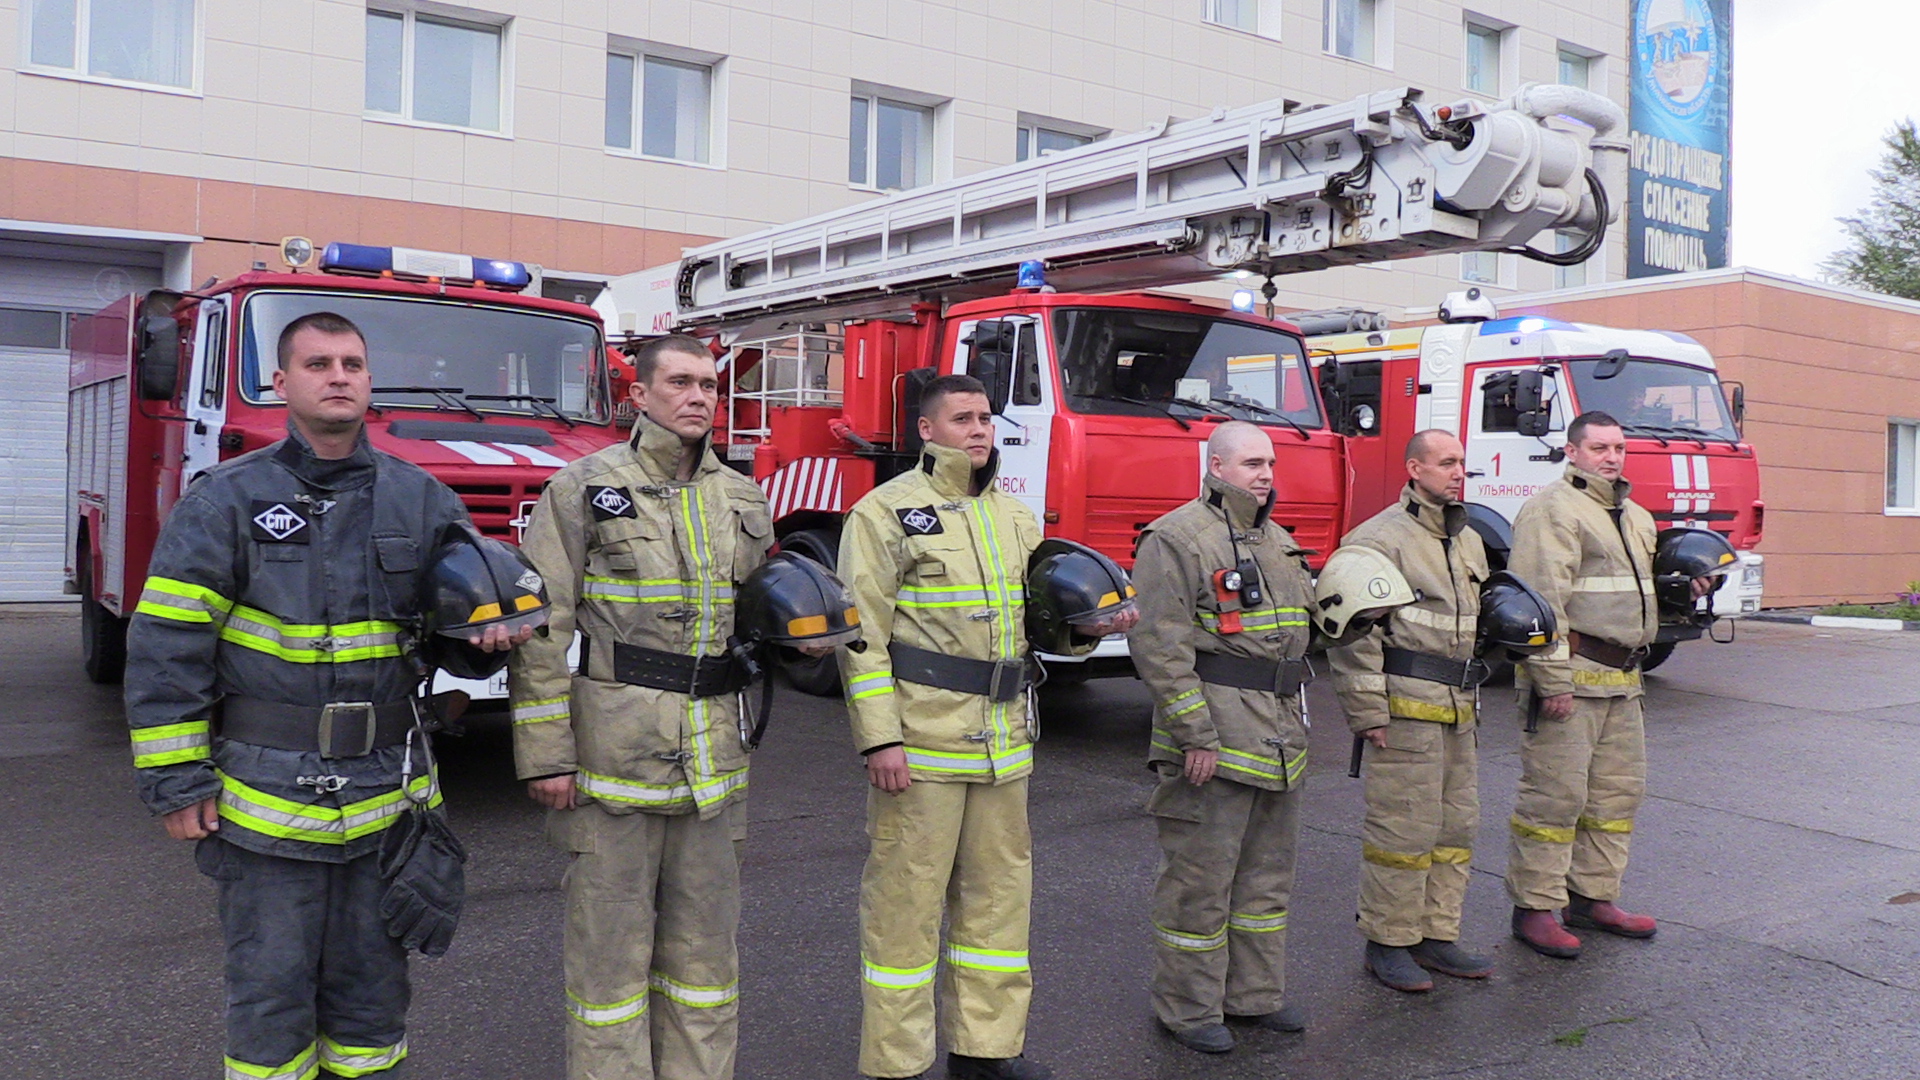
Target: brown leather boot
{"x":1607,"y":916}
{"x":1542,"y":933}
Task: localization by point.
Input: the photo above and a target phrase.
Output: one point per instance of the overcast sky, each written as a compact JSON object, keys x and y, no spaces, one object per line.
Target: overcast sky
{"x":1816,"y":84}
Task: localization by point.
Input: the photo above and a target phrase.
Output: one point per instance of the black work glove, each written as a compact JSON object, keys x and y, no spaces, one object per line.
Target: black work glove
{"x":424,"y":864}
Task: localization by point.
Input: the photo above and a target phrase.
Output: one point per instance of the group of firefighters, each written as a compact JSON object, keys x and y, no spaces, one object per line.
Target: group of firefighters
{"x":271,"y":692}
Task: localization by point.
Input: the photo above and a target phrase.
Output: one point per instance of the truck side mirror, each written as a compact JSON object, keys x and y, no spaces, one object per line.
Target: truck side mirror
{"x":990,"y":359}
{"x":1737,"y":394}
{"x":159,"y":358}
{"x":1611,"y":364}
{"x":1523,"y":392}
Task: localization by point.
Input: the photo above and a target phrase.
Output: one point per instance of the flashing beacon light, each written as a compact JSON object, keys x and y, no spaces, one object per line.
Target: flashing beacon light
{"x":1033,"y":275}
{"x":1531,"y":326}
{"x":1243,"y":300}
{"x":413,"y":263}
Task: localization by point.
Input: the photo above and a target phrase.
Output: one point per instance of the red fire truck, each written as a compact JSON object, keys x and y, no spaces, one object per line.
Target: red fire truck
{"x":1103,"y":400}
{"x":488,"y":389}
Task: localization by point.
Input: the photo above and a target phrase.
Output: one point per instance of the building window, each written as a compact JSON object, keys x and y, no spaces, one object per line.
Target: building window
{"x":1039,"y":136}
{"x":890,"y":144}
{"x":433,"y":70}
{"x":1576,"y":68}
{"x":1254,"y":16}
{"x":1483,"y":75}
{"x":30,"y":328}
{"x":143,"y":41}
{"x":1902,"y":497}
{"x":672,"y":97}
{"x":1570,"y":277}
{"x":1353,"y":29}
{"x":1480,"y":267}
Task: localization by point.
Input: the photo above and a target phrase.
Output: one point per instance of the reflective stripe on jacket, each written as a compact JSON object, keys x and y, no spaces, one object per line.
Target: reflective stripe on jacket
{"x":634,"y":555}
{"x":1445,"y":563}
{"x":937,"y":568}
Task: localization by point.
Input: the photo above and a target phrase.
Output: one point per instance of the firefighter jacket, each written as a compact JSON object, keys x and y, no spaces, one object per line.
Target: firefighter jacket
{"x":287,"y":578}
{"x":634,"y":556}
{"x":936,"y":568}
{"x":1445,"y":564}
{"x":1260,"y":735}
{"x":1588,"y":549}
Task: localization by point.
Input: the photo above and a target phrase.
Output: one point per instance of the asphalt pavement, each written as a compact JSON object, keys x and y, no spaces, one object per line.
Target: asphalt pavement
{"x":1780,"y":846}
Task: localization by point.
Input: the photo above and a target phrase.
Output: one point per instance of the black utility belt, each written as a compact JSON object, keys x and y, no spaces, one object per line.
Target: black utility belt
{"x":340,"y":729}
{"x":1459,"y":674}
{"x":1284,"y":677}
{"x":995,"y":680}
{"x":1606,"y":653}
{"x":695,"y":676}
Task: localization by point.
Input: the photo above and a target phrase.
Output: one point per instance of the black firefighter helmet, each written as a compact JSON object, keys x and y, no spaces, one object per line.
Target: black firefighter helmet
{"x":1070,"y":586}
{"x":475,"y":582}
{"x":792,"y":600}
{"x":1679,"y":556}
{"x":1514,"y":619}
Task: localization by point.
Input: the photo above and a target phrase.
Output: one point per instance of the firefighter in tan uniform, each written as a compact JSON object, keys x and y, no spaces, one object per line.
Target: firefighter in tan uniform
{"x":639,"y":753}
{"x":936,"y":558}
{"x":1221,"y":645}
{"x":1588,"y":549}
{"x":1410,"y":687}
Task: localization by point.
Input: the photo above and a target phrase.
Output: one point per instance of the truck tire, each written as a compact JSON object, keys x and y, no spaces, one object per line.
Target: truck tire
{"x":1657,"y":654}
{"x":103,"y":638}
{"x":816,"y":675}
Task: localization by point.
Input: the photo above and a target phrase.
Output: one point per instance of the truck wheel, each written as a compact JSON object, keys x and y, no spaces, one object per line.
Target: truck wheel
{"x":1657,"y":654}
{"x":816,"y":675}
{"x":103,"y":638}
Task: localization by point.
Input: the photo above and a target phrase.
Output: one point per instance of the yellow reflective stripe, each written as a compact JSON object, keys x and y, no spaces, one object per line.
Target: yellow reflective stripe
{"x":1616,"y":584}
{"x":1545,"y":834}
{"x":892,"y":978}
{"x":304,"y":1066}
{"x":300,"y":643}
{"x":360,"y":1060}
{"x":649,"y":590}
{"x":944,"y":761}
{"x":1005,"y":760}
{"x":1421,"y":710}
{"x":1395,"y":860}
{"x":181,"y":601}
{"x":872,"y":684}
{"x":1173,"y":708}
{"x":170,"y":744}
{"x":1436,"y":620}
{"x":928,"y":596}
{"x":1261,"y":765}
{"x":987,"y":959}
{"x":1011,"y":638}
{"x":1612,"y":825}
{"x":639,"y":793}
{"x":534,"y":712}
{"x":618,"y":1012}
{"x":1364,"y":682}
{"x":1256,"y":924}
{"x":1260,"y":619}
{"x":698,"y":997}
{"x":1605,"y":677}
{"x":693,"y":511}
{"x":706,"y":792}
{"x":1175,"y":939}
{"x":1453,"y":856}
{"x":271,"y":815}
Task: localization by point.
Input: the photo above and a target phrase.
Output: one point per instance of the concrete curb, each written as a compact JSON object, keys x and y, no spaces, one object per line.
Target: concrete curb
{"x":1833,"y":622}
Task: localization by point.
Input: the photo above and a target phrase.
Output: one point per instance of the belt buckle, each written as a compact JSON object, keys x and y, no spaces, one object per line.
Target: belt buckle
{"x":1635,"y":657}
{"x":997,"y":689}
{"x":335,"y":708}
{"x":1474,"y":672}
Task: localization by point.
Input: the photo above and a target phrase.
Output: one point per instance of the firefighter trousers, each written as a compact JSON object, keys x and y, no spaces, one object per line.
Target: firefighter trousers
{"x":1423,"y":805}
{"x":1220,"y":905}
{"x":312,"y":974}
{"x":963,"y":849}
{"x":653,"y":980}
{"x":1581,"y":782}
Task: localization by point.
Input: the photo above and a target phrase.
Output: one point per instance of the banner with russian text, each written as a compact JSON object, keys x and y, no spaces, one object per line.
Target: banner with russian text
{"x":1681,"y":114}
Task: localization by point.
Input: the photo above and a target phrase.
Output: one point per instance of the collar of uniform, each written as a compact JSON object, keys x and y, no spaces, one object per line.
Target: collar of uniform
{"x":1244,"y":511}
{"x":659,"y":451}
{"x":296,"y":455}
{"x":1441,"y":517}
{"x":1607,"y":493}
{"x":951,"y":471}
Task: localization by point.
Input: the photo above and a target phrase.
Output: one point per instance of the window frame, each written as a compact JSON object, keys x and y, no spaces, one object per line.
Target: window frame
{"x":1595,"y":60}
{"x":1506,"y":63}
{"x":1503,"y":268}
{"x":81,"y":31}
{"x":717,"y":69}
{"x":1267,"y":15}
{"x":411,"y":11}
{"x":1030,"y":125}
{"x":1592,"y":272}
{"x":1894,"y":425}
{"x":1383,"y":14}
{"x":940,"y":139}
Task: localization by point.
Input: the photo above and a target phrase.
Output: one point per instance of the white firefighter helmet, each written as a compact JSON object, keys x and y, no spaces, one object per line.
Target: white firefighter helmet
{"x":1357,"y":588}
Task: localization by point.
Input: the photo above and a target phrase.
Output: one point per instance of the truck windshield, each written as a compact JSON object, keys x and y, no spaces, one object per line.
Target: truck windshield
{"x":473,"y":349}
{"x":1657,"y":398}
{"x":1108,"y":355}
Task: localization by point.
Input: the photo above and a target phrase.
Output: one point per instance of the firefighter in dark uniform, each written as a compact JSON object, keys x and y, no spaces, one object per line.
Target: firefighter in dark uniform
{"x":271,"y":699}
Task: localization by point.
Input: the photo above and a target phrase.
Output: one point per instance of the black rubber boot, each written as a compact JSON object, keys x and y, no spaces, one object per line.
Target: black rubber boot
{"x":1287,"y":1018}
{"x":962,"y":1067}
{"x":1207,"y":1038}
{"x":1448,"y":958}
{"x":1394,"y":966}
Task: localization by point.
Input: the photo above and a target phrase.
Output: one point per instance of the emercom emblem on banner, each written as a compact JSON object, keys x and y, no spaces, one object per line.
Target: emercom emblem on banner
{"x":1677,"y":180}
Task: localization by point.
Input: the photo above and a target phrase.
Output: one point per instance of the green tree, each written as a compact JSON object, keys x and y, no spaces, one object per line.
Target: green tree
{"x":1883,"y":244}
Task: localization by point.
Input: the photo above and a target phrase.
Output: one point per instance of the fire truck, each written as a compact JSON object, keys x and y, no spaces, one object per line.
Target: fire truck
{"x":1103,"y":398}
{"x":486,"y":388}
{"x":1509,"y":386}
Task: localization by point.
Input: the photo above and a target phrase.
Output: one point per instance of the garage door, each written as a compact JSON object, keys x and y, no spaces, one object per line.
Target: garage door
{"x":35,"y":295}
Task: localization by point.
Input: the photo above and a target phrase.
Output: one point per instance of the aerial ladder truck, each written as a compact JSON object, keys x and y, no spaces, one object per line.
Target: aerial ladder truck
{"x":1103,"y":398}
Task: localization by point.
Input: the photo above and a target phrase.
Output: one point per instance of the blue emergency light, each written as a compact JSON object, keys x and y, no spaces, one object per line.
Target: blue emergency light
{"x":342,"y":258}
{"x":1033,"y":275}
{"x":1243,"y":300}
{"x":1522,"y":324}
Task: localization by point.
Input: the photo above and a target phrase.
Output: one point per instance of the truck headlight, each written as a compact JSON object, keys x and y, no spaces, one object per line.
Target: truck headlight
{"x":1753,"y":575}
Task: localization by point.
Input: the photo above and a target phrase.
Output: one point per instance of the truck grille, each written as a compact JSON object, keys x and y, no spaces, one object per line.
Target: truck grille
{"x":499,"y":510}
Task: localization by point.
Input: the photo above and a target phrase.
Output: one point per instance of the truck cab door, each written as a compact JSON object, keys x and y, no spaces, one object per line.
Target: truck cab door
{"x":1023,"y":428}
{"x":1504,"y":467}
{"x":206,"y":397}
